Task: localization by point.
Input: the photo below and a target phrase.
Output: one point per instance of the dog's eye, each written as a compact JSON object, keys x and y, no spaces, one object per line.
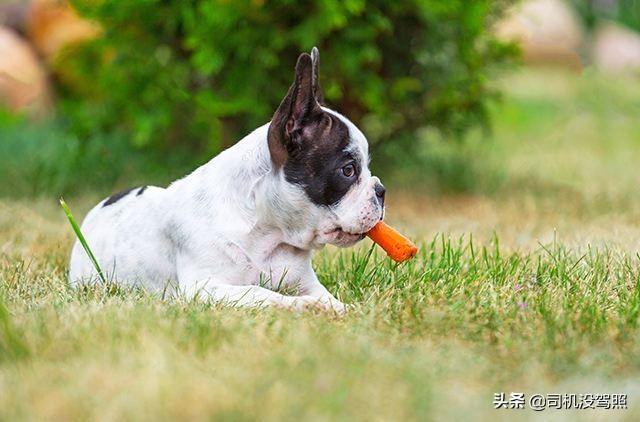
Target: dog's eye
{"x":349,"y":170}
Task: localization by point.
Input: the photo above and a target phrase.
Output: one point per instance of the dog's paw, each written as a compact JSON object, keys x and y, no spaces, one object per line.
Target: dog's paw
{"x":303,"y":303}
{"x":337,"y":307}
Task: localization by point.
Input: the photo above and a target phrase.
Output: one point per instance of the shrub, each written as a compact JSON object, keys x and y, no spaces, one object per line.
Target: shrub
{"x":43,"y":158}
{"x":200,"y":74}
{"x":626,"y":12}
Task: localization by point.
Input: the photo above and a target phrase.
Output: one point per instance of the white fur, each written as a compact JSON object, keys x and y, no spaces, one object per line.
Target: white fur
{"x":233,"y":230}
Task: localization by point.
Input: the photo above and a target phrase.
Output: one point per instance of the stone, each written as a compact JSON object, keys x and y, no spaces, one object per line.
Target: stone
{"x":52,"y":25}
{"x":23,"y":80}
{"x":548,"y":31}
{"x":616,"y":49}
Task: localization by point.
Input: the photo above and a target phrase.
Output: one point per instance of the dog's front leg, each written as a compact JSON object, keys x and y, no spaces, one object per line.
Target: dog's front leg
{"x":250,"y":296}
{"x":197,"y":281}
{"x":207,"y":282}
{"x":311,"y":286}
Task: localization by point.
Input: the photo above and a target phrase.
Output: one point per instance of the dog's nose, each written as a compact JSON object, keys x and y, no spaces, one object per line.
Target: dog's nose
{"x":380,"y":191}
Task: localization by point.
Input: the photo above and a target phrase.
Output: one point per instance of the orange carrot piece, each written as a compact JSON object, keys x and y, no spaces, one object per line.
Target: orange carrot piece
{"x":398,"y":247}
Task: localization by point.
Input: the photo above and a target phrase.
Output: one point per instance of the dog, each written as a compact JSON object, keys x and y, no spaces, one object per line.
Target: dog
{"x":245,"y":224}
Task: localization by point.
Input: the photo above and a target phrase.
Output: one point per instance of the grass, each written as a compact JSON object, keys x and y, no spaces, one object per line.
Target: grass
{"x":44,"y":158}
{"x":533,"y":286}
{"x":78,"y":232}
{"x":436,"y":336}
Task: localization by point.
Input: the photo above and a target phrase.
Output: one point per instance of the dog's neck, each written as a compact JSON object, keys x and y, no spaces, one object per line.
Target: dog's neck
{"x":279,"y":204}
{"x":273,"y":207}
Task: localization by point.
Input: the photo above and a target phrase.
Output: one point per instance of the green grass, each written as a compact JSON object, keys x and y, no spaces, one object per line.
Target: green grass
{"x":545,"y":299}
{"x":556,"y":134}
{"x":436,"y":336}
{"x":78,"y":232}
{"x":45,"y":158}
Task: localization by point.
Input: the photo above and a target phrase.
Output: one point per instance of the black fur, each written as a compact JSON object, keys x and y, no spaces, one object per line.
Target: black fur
{"x":141,"y":190}
{"x":317,"y":164}
{"x":116,"y":197}
{"x":310,"y":143}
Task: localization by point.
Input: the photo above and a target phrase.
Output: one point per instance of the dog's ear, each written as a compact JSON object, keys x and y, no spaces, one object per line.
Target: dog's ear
{"x":315,"y":60}
{"x":287,"y":128}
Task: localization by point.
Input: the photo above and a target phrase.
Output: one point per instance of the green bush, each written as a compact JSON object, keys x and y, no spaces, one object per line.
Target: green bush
{"x":626,"y":12}
{"x":43,"y":158}
{"x":200,"y":74}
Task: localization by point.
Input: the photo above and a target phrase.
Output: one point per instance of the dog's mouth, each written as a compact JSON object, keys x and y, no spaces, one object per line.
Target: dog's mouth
{"x":339,"y":231}
{"x":340,"y":237}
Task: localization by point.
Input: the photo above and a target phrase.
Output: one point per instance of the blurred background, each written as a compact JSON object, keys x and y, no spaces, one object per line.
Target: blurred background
{"x":464,"y":103}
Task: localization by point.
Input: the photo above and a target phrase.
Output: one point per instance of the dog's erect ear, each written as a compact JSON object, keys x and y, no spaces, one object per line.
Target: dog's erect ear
{"x":315,"y":60}
{"x":287,"y":129}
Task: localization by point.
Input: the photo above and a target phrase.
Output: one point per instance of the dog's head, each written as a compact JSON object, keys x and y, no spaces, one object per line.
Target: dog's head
{"x":323,"y":154}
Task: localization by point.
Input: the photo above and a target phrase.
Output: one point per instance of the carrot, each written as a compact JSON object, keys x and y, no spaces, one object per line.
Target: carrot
{"x":398,"y":247}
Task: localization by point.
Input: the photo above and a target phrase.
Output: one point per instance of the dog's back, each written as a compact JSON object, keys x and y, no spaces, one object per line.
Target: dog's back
{"x":116,"y":232}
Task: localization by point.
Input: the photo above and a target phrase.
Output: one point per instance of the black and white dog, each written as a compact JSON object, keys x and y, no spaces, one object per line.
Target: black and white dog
{"x":245,"y":223}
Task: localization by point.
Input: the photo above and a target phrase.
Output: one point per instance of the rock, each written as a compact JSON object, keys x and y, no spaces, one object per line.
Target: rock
{"x":547,"y":30}
{"x":23,"y":80}
{"x":616,"y":49}
{"x":53,"y":24}
{"x":13,"y":14}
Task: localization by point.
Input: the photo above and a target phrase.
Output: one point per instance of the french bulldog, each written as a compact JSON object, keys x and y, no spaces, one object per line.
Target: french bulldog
{"x":245,"y":224}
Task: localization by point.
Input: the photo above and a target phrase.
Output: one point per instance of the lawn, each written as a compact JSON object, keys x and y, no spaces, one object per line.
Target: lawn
{"x":530,"y":284}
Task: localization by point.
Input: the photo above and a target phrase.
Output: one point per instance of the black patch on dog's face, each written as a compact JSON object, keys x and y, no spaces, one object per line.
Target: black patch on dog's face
{"x":310,"y":144}
{"x":116,"y":197}
{"x":317,"y":164}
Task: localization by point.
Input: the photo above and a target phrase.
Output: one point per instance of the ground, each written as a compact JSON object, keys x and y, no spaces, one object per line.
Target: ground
{"x":531,"y":284}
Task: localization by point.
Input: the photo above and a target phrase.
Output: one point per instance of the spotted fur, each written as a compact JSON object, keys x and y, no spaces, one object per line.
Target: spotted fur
{"x":246,"y":222}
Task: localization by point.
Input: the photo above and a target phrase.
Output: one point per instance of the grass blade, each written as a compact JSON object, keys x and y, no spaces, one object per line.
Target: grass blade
{"x":81,"y":238}
{"x":11,"y":346}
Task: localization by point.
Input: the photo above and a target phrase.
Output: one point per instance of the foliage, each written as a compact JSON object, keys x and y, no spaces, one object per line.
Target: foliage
{"x":626,"y":12}
{"x":202,"y":73}
{"x":45,"y":158}
{"x":34,"y":157}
